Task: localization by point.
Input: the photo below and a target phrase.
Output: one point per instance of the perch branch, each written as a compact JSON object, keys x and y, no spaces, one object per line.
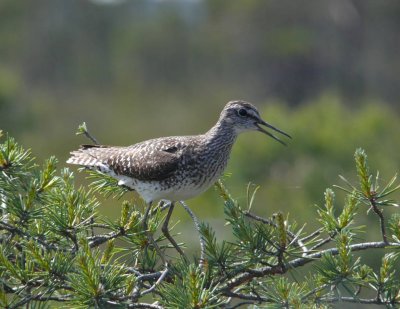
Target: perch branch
{"x":249,"y":274}
{"x":197,"y":225}
{"x":376,"y":210}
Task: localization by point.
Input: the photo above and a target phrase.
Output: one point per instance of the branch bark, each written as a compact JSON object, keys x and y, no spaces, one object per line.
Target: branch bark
{"x":249,"y":274}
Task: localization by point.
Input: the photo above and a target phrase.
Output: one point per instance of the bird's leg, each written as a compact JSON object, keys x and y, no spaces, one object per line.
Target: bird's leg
{"x":166,"y":233}
{"x":150,"y":236}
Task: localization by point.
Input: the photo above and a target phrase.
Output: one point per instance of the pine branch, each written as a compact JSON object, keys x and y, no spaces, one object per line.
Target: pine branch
{"x":51,"y":237}
{"x":14,"y":230}
{"x":250,"y":274}
{"x":294,"y":237}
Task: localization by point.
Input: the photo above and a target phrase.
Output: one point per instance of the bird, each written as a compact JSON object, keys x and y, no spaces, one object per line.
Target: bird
{"x":175,"y":168}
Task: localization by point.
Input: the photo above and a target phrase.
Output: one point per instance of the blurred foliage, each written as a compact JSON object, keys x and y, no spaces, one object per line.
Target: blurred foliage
{"x":183,"y":49}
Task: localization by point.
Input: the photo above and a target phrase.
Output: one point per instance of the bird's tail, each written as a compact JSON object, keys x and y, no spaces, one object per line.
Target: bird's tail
{"x":90,"y":156}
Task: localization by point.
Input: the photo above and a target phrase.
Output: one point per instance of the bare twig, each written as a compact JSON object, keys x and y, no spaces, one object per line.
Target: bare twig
{"x":350,"y":299}
{"x":100,"y":226}
{"x":240,"y":304}
{"x":334,"y":251}
{"x":254,"y":298}
{"x":150,"y":276}
{"x":150,"y":235}
{"x":83,"y":130}
{"x":376,"y":210}
{"x":160,"y":276}
{"x":152,"y":288}
{"x":97,"y":240}
{"x":144,"y":305}
{"x":201,"y":239}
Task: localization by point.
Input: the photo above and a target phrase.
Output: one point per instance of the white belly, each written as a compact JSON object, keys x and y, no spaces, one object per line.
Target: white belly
{"x":152,"y":190}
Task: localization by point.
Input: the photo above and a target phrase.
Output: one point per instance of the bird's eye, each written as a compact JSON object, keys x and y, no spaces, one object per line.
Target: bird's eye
{"x":242,"y":112}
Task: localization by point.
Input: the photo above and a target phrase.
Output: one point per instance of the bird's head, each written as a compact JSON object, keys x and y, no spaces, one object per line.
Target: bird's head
{"x":243,"y":116}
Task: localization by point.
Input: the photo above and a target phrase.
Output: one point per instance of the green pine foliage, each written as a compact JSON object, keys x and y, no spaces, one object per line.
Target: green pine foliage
{"x":57,"y":250}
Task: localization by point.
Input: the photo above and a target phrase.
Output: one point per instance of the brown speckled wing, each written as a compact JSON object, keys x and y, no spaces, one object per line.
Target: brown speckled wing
{"x":150,"y":160}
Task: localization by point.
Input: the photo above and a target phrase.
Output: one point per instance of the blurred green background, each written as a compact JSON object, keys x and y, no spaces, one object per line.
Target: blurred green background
{"x":327,"y":72}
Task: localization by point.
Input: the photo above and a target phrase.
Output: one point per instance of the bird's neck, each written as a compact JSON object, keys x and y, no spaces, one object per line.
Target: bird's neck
{"x":222,"y":134}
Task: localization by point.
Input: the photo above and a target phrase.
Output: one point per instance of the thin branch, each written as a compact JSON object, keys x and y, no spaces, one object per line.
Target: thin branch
{"x":349,"y":299}
{"x":100,"y":226}
{"x":160,"y":279}
{"x":201,"y":239}
{"x":334,"y":251}
{"x":147,"y":277}
{"x":376,"y":210}
{"x":19,"y":232}
{"x":321,"y":243}
{"x":159,"y":275}
{"x":295,"y":238}
{"x":88,"y":135}
{"x":22,"y":302}
{"x":249,"y":274}
{"x":241,"y":304}
{"x":265,"y":221}
{"x":312,"y":235}
{"x":326,"y":300}
{"x":150,"y":235}
{"x":63,"y":298}
{"x":151,"y":276}
{"x":254,"y":298}
{"x":74,"y":239}
{"x":39,"y":297}
{"x":97,"y":240}
{"x":144,"y":305}
{"x":315,"y":290}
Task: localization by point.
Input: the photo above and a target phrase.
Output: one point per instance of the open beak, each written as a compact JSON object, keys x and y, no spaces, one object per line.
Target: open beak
{"x":261,"y":129}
